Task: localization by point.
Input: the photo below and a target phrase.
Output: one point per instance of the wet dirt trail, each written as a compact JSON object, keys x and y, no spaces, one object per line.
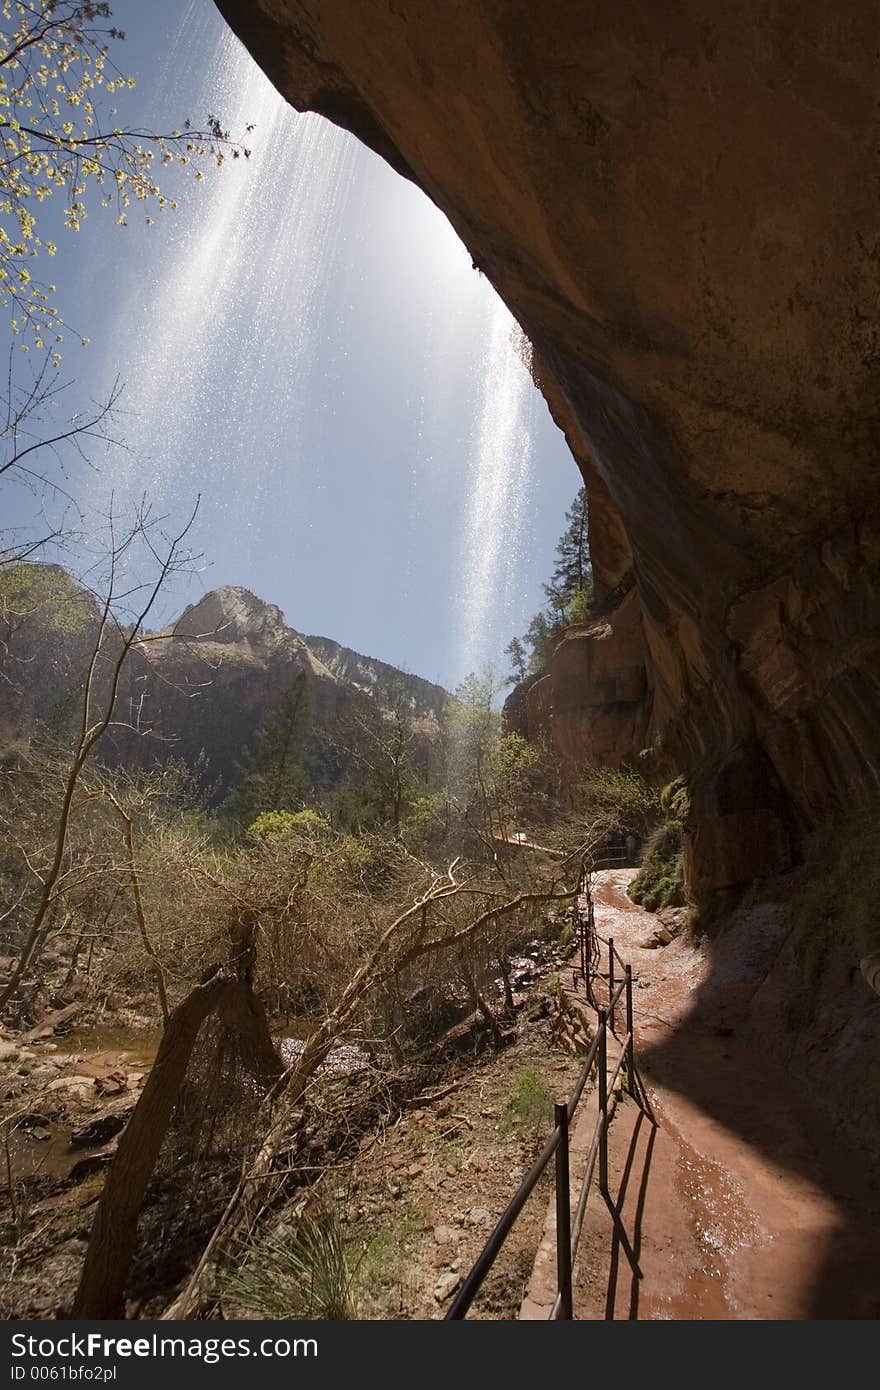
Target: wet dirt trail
{"x":738,"y":1204}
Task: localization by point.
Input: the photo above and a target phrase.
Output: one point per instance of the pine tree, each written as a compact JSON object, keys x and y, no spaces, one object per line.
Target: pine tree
{"x":272,"y":773}
{"x":539,"y":634}
{"x":573,"y":573}
{"x":570,"y":591}
{"x":518,"y":660}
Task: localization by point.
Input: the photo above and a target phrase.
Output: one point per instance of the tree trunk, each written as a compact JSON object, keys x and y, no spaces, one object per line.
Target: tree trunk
{"x":243,"y":1012}
{"x":114,"y":1232}
{"x":504,"y":967}
{"x":482,"y":1008}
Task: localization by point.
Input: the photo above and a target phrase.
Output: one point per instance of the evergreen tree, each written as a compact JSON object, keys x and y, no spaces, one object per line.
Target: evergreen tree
{"x":570,"y":591}
{"x":573,"y":571}
{"x":557,"y":607}
{"x":540,"y":631}
{"x":518,"y":660}
{"x":272,"y":775}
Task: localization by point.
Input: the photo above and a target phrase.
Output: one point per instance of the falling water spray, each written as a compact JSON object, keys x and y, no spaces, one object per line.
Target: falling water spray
{"x":228,"y":313}
{"x":501,"y":470}
{"x":230,"y":337}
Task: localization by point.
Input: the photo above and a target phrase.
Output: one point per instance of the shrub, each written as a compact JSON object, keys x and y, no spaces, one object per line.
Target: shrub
{"x":581,"y":605}
{"x":302,"y":1271}
{"x":284,"y":825}
{"x":530,"y":1104}
{"x":674,"y":798}
{"x":567,"y":934}
{"x":660,"y":882}
{"x":619,"y":797}
{"x":426,"y":817}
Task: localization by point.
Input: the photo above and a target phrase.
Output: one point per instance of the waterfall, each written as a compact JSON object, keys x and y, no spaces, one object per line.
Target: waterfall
{"x":226,"y":315}
{"x":500,"y":473}
{"x":307,"y":313}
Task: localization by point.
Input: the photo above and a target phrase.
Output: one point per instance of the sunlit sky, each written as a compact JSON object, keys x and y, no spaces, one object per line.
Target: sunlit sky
{"x":306,"y":345}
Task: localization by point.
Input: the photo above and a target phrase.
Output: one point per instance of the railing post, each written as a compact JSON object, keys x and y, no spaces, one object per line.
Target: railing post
{"x":631,"y":1045}
{"x":611,"y":977}
{"x":589,"y":961}
{"x":589,"y":945}
{"x":563,"y":1213}
{"x":602,"y":1078}
{"x":583,"y":935}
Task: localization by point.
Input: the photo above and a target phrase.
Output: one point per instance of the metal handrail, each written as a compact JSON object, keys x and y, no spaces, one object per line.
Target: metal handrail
{"x":624,"y":1049}
{"x":614,"y":951}
{"x":615,"y":998}
{"x":614,"y":994}
{"x":466,"y":1294}
{"x":568,"y":1231}
{"x":583,"y":1077}
{"x":586,"y":1185}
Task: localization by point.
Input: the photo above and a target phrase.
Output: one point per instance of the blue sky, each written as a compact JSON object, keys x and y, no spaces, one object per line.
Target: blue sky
{"x":306,"y":344}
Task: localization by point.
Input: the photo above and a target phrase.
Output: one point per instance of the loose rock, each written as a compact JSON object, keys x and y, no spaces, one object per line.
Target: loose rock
{"x":446,"y":1285}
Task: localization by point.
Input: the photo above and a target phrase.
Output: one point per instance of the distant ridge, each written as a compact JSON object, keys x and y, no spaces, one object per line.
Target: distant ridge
{"x":367,"y":672}
{"x":198,"y":689}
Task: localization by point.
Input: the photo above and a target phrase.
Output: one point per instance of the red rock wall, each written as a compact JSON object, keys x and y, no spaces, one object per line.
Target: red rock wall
{"x":593,"y":701}
{"x":679,"y":203}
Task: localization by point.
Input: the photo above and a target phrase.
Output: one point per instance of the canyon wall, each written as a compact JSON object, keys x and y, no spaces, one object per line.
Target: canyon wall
{"x":679,"y":204}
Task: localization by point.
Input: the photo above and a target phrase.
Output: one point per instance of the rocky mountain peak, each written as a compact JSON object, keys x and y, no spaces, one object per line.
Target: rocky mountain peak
{"x":231,"y":614}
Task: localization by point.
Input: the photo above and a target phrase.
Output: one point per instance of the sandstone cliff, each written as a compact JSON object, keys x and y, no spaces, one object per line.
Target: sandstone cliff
{"x":679,"y":205}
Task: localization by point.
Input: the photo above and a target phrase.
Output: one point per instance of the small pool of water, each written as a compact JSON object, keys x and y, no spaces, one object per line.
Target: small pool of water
{"x":89,"y":1052}
{"x":104,"y":1047}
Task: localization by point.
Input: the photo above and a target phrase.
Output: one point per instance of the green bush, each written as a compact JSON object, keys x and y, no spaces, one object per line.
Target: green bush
{"x":620,"y":796}
{"x":271,"y":826}
{"x":567,"y":934}
{"x":529,"y":1107}
{"x":660,"y":880}
{"x":426,"y":817}
{"x":581,"y":605}
{"x":674,"y":798}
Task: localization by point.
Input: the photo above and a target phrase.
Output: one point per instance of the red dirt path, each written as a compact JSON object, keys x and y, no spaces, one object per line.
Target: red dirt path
{"x":739,"y":1204}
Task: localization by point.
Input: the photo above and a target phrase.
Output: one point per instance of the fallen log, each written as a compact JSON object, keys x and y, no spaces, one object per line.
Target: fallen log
{"x":50,"y":1024}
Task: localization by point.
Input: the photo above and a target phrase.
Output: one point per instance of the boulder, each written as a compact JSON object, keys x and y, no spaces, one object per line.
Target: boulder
{"x":93,"y":1162}
{"x":105,"y":1125}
